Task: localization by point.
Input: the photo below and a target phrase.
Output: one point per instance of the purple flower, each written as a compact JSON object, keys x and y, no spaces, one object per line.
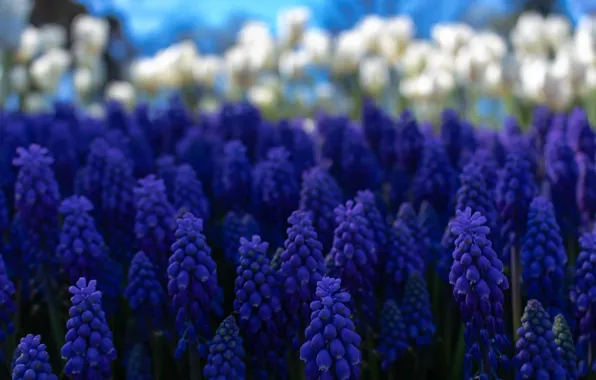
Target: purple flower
{"x":259,"y":308}
{"x":407,"y":214}
{"x":188,"y":194}
{"x":416,"y":310}
{"x":7,"y":305}
{"x":375,"y":220}
{"x":234,"y":178}
{"x":451,"y":135}
{"x":320,"y":195}
{"x":166,"y":171}
{"x":586,"y":189}
{"x":241,"y":122}
{"x":541,"y":123}
{"x":537,"y":355}
{"x":332,"y":346}
{"x":138,"y":363}
{"x":62,"y":146}
{"x":565,"y":346}
{"x":298,"y":143}
{"x":145,"y":294}
{"x":200,"y":150}
{"x":89,"y":346}
{"x":302,"y":266}
{"x":226,"y":354}
{"x":543,"y":256}
{"x":409,"y":142}
{"x":154,"y":220}
{"x":403,"y":259}
{"x":393,"y":337}
{"x":478,"y":284}
{"x":580,"y":135}
{"x":360,"y":168}
{"x":32,"y":360}
{"x":95,"y":170}
{"x":235,"y":226}
{"x":192,"y":275}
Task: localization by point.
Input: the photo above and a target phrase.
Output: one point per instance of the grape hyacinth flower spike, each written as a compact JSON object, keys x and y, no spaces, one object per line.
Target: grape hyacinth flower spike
{"x":89,"y":346}
{"x":416,"y":311}
{"x":478,"y":284}
{"x":393,"y":335}
{"x":234,"y":178}
{"x":188,"y":194}
{"x":226,"y":354}
{"x":7,"y":306}
{"x":235,"y":226}
{"x":375,"y":220}
{"x":408,"y":216}
{"x":332,"y":347}
{"x":32,"y":360}
{"x":537,"y":355}
{"x":565,"y":346}
{"x":402,"y":261}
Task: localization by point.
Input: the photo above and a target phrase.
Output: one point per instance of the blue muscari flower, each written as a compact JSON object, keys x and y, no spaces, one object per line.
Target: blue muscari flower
{"x":565,"y":346}
{"x":488,"y":166}
{"x":399,"y":180}
{"x":562,"y":173}
{"x":269,"y":138}
{"x":393,"y":335}
{"x":89,"y":346}
{"x":32,"y":361}
{"x":14,"y":135}
{"x":332,"y":346}
{"x":200,"y":150}
{"x":402,"y":260}
{"x":140,"y":151}
{"x":242,"y":122}
{"x":542,"y":117}
{"x":478,"y":284}
{"x":192,"y":275}
{"x":36,"y":202}
{"x":586,"y":189}
{"x":583,"y":298}
{"x":300,"y":145}
{"x":410,"y":142}
{"x":580,"y":135}
{"x":537,"y":355}
{"x":451,"y":135}
{"x":235,"y":226}
{"x":62,"y":146}
{"x":320,"y":195}
{"x":117,"y":214}
{"x":436,"y":180}
{"x":380,"y":133}
{"x":166,"y":170}
{"x":188,"y":194}
{"x":333,"y":129}
{"x":407,"y":214}
{"x":226,"y":354}
{"x":4,"y":213}
{"x":7,"y":305}
{"x":353,"y":255}
{"x":302,"y":266}
{"x":543,"y":256}
{"x":95,"y":170}
{"x":145,"y":294}
{"x":234,"y":178}
{"x":138,"y":363}
{"x":154,"y":220}
{"x":515,"y":191}
{"x":432,"y":229}
{"x":490,"y":142}
{"x":275,"y":192}
{"x":360,"y":168}
{"x":416,"y":311}
{"x":469,"y":143}
{"x":375,"y":221}
{"x":81,"y":250}
{"x":259,"y":307}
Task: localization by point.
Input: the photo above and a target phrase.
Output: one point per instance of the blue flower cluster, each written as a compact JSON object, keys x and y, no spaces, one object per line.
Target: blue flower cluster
{"x":32,"y":360}
{"x":225,"y":360}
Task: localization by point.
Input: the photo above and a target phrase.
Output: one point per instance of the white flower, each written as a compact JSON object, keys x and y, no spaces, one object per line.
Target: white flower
{"x":451,"y":37}
{"x":19,"y":79}
{"x":46,"y":70}
{"x":28,"y":46}
{"x":239,"y":66}
{"x":291,"y":24}
{"x":206,"y":69}
{"x":444,"y":83}
{"x":96,"y":110}
{"x":253,"y":33}
{"x":374,"y":74}
{"x":528,"y":35}
{"x":471,"y":61}
{"x":262,"y":56}
{"x":52,"y":36}
{"x":317,"y":44}
{"x":557,"y":30}
{"x":492,"y":81}
{"x":588,"y":86}
{"x":533,"y":73}
{"x":490,"y":42}
{"x":92,"y":32}
{"x":34,"y":103}
{"x":415,"y":57}
{"x":558,"y":91}
{"x":349,"y":50}
{"x":371,"y":28}
{"x":293,"y":63}
{"x":122,"y":92}
{"x":83,"y":81}
{"x":263,"y":97}
{"x":421,"y":87}
{"x":144,"y":74}
{"x":397,"y":33}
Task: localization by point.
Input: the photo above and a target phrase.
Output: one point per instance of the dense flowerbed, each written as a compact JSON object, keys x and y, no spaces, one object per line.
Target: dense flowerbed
{"x":159,"y":244}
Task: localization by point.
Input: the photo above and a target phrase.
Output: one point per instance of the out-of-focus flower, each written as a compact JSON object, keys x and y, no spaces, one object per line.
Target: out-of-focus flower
{"x":374,"y":75}
{"x":122,"y":92}
{"x":536,"y":331}
{"x":291,"y":24}
{"x":19,"y":79}
{"x":92,"y":32}
{"x":83,"y":81}
{"x":586,"y":188}
{"x":332,"y":347}
{"x":89,"y":346}
{"x":349,"y":51}
{"x":138,"y":363}
{"x":188,"y":195}
{"x":144,"y":74}
{"x":415,"y":58}
{"x":32,"y":360}
{"x":234,"y":178}
{"x":371,"y":28}
{"x":416,"y":310}
{"x":206,"y":70}
{"x":253,"y":33}
{"x":235,"y":226}
{"x":47,"y":70}
{"x":317,"y":43}
{"x":450,"y":37}
{"x":52,"y":36}
{"x":7,"y":306}
{"x":226,"y":354}
{"x":395,"y":36}
{"x":393,"y":336}
{"x":565,"y":346}
{"x":528,"y":36}
{"x":264,"y":97}
{"x":29,"y":45}
{"x":292,"y":64}
{"x":557,"y":30}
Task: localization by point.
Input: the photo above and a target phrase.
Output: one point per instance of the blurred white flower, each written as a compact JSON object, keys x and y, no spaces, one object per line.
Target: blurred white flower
{"x":262,"y":56}
{"x":96,"y":110}
{"x":418,"y":88}
{"x":309,"y":126}
{"x":528,"y":35}
{"x":83,"y":81}
{"x":444,"y":83}
{"x":253,"y":33}
{"x":122,"y":92}
{"x":263,"y":97}
{"x":206,"y":69}
{"x":492,"y":81}
{"x":415,"y":57}
{"x":47,"y":70}
{"x":374,"y":74}
{"x":558,"y":91}
{"x":396,"y":35}
{"x":489,"y":42}
{"x":533,"y":73}
{"x":29,"y":45}
{"x":92,"y":32}
{"x":291,"y":24}
{"x":588,"y":86}
{"x":19,"y":79}
{"x":440,"y":60}
{"x":450,"y":37}
{"x":34,"y":103}
{"x":557,"y":30}
{"x":52,"y":36}
{"x":292,"y":64}
{"x":371,"y":28}
{"x":471,"y":62}
{"x":239,"y":66}
{"x":317,"y":44}
{"x":349,"y":50}
{"x":144,"y":74}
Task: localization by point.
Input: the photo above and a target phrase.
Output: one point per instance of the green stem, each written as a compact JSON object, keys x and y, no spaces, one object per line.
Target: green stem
{"x":457,"y":371}
{"x":56,"y":323}
{"x":195,"y":362}
{"x":515,"y":292}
